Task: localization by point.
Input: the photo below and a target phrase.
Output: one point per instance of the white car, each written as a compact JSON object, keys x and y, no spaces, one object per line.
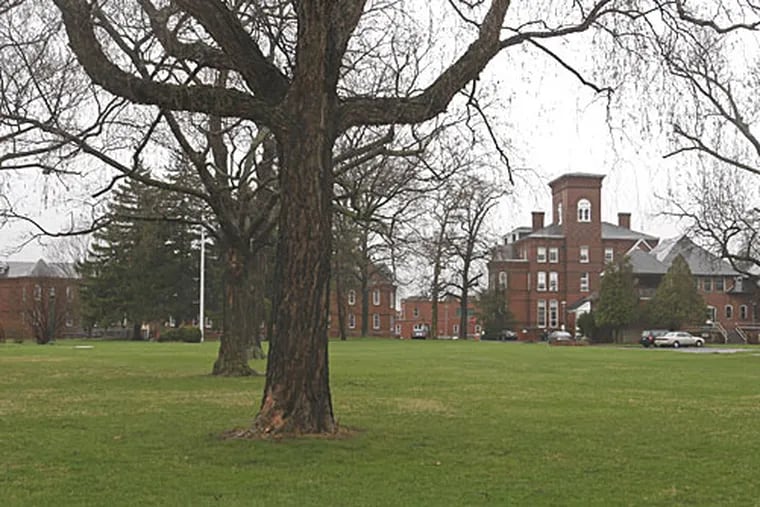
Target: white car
{"x":678,"y":339}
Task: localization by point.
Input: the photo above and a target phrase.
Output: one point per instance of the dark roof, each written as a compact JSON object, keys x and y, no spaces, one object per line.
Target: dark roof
{"x":550,"y":231}
{"x":646,"y":263}
{"x":576,"y":175}
{"x":611,"y":231}
{"x":700,"y":261}
{"x":39,"y":269}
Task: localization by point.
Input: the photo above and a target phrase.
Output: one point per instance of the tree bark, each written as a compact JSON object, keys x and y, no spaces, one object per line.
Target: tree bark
{"x":296,"y":396}
{"x":234,"y":344}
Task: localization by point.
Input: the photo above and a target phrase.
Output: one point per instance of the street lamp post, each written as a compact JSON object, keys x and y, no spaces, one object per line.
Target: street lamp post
{"x":202,"y":299}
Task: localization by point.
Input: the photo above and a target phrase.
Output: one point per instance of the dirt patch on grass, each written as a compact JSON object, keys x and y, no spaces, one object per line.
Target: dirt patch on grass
{"x":342,"y":433}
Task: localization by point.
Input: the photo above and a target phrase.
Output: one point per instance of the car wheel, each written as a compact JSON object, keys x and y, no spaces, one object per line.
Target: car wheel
{"x":700,"y":343}
{"x":676,"y":345}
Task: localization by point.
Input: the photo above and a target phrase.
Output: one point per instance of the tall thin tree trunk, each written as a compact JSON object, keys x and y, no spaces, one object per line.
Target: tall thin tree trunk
{"x":339,"y":296}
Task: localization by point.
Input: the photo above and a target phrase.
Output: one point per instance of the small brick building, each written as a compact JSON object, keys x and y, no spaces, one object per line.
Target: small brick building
{"x":35,"y":295}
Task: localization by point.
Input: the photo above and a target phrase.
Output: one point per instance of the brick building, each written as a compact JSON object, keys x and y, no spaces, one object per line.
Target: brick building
{"x":380,"y":302}
{"x":417,"y":312}
{"x":38,"y":296}
{"x":551,"y":273}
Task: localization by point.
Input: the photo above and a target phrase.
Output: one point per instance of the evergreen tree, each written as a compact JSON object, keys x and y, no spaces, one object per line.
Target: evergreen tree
{"x":139,"y":268}
{"x":493,"y":312}
{"x":677,"y":301}
{"x":617,"y":297}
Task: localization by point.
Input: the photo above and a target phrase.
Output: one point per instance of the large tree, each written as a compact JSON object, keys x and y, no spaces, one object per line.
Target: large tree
{"x":293,"y":69}
{"x":677,"y":302}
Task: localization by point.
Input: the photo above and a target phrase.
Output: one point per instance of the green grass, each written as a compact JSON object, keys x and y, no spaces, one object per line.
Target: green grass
{"x":439,"y":423}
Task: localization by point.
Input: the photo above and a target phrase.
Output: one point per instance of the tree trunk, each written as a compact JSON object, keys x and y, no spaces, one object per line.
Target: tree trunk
{"x":463,"y":302}
{"x":435,"y":295}
{"x":234,"y":344}
{"x":296,"y":396}
{"x":137,"y":331}
{"x":340,"y":307}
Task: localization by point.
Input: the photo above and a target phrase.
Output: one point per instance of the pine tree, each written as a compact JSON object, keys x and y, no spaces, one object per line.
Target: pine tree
{"x":677,"y":302}
{"x":140,"y":268}
{"x":618,"y":301}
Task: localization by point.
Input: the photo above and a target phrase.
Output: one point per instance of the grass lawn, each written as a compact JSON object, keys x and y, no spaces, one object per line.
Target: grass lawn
{"x":439,"y":423}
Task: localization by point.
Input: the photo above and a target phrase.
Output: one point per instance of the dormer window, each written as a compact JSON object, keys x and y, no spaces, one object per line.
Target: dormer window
{"x":584,"y":210}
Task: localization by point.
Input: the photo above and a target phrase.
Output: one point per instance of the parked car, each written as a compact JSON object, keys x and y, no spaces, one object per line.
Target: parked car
{"x":503,"y":335}
{"x":648,"y":336}
{"x":419,"y":332}
{"x":678,"y":339}
{"x":560,"y":336}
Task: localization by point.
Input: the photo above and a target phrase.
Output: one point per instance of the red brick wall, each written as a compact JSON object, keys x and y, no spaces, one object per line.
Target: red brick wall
{"x":17,"y":298}
{"x":448,"y":316}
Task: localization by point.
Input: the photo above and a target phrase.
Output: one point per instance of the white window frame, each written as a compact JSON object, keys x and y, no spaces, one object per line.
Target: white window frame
{"x":455,"y":329}
{"x":69,"y":293}
{"x":541,"y":312}
{"x":723,"y":284}
{"x":376,"y":321}
{"x":503,"y":279}
{"x":728,"y":311}
{"x":743,"y":313}
{"x":351,"y":321}
{"x":37,"y":292}
{"x":712,"y":313}
{"x":398,"y":329}
{"x":553,"y":313}
{"x":553,"y":281}
{"x":584,"y":210}
{"x":584,"y":285}
{"x":559,"y":213}
{"x":541,"y":281}
{"x":376,"y":297}
{"x":583,"y":256}
{"x":352,"y":297}
{"x":541,"y":254}
{"x":554,"y":254}
{"x":609,"y":255}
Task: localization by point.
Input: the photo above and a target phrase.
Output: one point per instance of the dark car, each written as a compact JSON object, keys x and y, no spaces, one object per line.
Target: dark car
{"x":648,"y":336}
{"x":504,"y":335}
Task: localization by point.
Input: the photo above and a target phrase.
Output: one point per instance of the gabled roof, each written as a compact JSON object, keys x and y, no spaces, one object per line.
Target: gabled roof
{"x":39,"y":269}
{"x":645,"y":263}
{"x":611,"y":231}
{"x":700,"y":261}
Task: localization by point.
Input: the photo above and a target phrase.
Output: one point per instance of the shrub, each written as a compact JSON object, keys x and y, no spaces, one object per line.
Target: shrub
{"x":187,"y":334}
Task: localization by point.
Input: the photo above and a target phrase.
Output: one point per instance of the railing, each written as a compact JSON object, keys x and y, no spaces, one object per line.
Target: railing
{"x":749,"y":333}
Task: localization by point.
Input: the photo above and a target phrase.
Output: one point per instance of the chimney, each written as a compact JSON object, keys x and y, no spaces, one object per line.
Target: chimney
{"x":624,"y":220}
{"x":538,"y":220}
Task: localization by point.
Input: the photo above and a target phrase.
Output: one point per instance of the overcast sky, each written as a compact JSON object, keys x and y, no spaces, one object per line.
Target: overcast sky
{"x":554,"y":125}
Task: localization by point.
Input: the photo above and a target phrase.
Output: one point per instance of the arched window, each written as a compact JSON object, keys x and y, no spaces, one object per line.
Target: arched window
{"x":584,"y":210}
{"x":375,"y":321}
{"x":376,"y":297}
{"x":743,"y":312}
{"x":502,"y":280}
{"x":352,"y":297}
{"x":729,"y":312}
{"x":351,"y":321}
